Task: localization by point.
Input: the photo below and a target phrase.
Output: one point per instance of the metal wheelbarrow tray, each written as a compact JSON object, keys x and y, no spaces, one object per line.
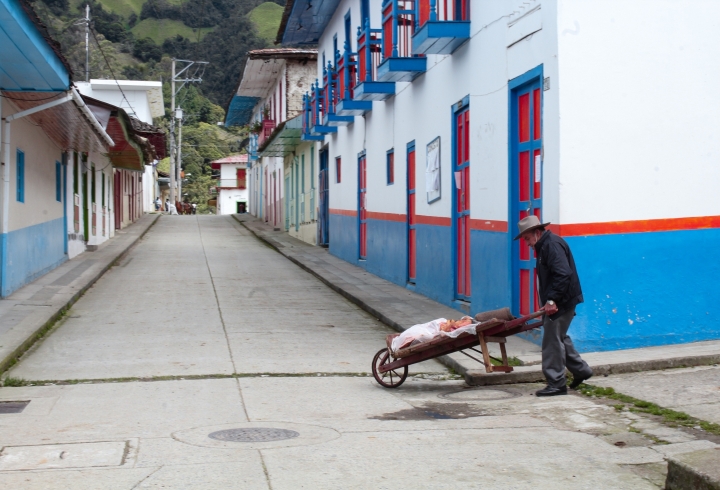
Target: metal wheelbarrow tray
{"x":390,"y":369}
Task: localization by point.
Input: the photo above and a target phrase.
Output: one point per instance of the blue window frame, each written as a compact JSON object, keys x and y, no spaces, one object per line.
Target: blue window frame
{"x":20,"y":174}
{"x":390,"y":162}
{"x":302,"y":173}
{"x":312,"y":167}
{"x":58,"y":181}
{"x":348,"y":29}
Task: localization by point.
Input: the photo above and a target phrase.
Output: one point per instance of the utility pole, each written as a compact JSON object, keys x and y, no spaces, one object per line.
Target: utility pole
{"x":172,"y":135}
{"x":86,"y":21}
{"x":179,"y":116}
{"x":175,"y":163}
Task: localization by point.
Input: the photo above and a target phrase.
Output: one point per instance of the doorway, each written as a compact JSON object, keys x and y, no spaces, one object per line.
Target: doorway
{"x":525,"y":179}
{"x":461,"y":200}
{"x":323,"y":201}
{"x":362,"y":202}
{"x":411,"y":238}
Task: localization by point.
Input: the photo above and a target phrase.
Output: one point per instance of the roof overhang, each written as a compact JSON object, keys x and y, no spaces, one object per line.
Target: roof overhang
{"x":303,"y":22}
{"x":29,"y":59}
{"x":131,"y":151}
{"x":68,"y":125}
{"x":240,"y":110}
{"x":284,"y":139}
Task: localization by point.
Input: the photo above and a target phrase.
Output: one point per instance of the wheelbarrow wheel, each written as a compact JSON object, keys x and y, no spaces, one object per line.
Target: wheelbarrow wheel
{"x":389,"y":379}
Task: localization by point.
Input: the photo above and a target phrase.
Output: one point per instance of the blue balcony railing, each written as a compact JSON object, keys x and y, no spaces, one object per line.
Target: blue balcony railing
{"x":442,"y":26}
{"x":330,"y":99}
{"x":347,"y":79}
{"x":398,"y":26}
{"x":368,"y":86}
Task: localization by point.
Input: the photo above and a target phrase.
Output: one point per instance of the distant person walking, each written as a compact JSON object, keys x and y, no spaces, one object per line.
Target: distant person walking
{"x":560,"y":292}
{"x":157,"y":204}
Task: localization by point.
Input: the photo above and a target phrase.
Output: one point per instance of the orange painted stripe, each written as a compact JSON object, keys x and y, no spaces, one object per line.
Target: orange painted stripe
{"x":432,"y":220}
{"x":344,"y":212}
{"x":489,"y":225}
{"x":639,"y":226}
{"x":402,"y":218}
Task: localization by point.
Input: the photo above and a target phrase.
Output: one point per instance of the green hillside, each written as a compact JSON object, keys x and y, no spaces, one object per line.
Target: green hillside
{"x":160,"y":29}
{"x":120,"y":7}
{"x":266,"y":18}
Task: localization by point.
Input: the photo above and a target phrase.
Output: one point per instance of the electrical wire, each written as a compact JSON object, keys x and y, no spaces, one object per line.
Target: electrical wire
{"x":92,"y":30}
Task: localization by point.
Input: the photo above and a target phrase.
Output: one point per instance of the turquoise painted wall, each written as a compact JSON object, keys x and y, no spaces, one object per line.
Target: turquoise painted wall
{"x":30,"y":252}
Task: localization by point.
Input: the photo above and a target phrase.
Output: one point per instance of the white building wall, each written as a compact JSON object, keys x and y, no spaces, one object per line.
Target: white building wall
{"x":422,"y":110}
{"x":303,"y":223}
{"x":648,"y":114}
{"x":227,"y":199}
{"x":41,"y":153}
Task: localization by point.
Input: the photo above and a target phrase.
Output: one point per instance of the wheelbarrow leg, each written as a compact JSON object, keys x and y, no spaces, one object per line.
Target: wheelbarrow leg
{"x":485,"y":353}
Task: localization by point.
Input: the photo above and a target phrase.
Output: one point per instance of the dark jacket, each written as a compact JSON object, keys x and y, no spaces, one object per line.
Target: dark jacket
{"x":557,"y":274}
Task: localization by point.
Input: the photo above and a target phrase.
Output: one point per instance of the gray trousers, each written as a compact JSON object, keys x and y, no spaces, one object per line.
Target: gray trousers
{"x":558,"y":351}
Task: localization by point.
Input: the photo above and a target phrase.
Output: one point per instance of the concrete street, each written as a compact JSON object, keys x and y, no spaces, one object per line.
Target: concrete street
{"x":202,"y":328}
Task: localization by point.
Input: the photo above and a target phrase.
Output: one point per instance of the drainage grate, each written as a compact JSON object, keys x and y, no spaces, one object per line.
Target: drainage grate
{"x":253,"y":435}
{"x":13,"y":407}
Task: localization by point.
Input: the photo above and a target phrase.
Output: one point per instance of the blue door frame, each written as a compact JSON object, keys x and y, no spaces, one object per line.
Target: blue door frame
{"x":460,"y":217}
{"x":524,"y":149}
{"x":323,"y":198}
{"x":362,"y":205}
{"x":411,"y":186}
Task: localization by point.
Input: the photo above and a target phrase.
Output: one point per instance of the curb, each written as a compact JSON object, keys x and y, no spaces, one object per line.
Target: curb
{"x":446,"y":360}
{"x":481,"y":379}
{"x":13,"y":357}
{"x":698,"y":470}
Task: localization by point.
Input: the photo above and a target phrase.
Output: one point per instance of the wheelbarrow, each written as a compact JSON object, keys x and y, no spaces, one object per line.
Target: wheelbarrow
{"x":390,"y":368}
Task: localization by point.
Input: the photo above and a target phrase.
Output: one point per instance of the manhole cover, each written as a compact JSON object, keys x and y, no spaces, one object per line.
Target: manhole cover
{"x":479,"y":395}
{"x":258,"y":434}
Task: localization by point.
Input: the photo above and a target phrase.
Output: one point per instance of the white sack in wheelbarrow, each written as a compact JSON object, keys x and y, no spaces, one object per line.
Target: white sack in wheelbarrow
{"x":425,"y":332}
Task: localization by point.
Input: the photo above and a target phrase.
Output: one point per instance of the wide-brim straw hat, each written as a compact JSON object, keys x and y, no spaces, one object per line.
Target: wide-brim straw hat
{"x":529,"y":223}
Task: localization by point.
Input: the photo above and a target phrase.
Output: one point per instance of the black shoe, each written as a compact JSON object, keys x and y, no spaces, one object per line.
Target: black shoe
{"x":578,"y":381}
{"x":550,"y":391}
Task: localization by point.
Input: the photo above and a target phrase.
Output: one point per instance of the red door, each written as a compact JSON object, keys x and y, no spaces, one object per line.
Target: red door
{"x":411,"y":214}
{"x":526,"y":160}
{"x":461,"y":183}
{"x":362,"y":196}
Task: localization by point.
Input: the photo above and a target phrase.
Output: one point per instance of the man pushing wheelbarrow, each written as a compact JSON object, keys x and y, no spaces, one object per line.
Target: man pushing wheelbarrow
{"x":559,"y":291}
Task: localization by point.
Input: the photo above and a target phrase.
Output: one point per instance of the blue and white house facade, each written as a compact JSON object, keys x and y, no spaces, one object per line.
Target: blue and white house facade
{"x":44,"y":121}
{"x":441,"y":124}
{"x":280,"y":166}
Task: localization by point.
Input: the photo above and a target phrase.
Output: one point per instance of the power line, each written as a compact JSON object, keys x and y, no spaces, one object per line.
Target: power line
{"x":112,"y":72}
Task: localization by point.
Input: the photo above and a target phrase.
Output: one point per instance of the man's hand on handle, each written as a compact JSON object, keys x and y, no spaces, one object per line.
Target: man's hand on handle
{"x":550,"y":307}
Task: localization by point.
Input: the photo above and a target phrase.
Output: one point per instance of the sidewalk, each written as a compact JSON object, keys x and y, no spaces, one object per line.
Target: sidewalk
{"x":400,"y":308}
{"x":29,"y":312}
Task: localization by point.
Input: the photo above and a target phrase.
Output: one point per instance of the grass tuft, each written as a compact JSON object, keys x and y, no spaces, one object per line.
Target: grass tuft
{"x":670,"y":417}
{"x":10,"y":381}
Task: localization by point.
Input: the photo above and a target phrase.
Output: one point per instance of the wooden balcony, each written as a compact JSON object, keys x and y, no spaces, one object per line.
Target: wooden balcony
{"x":268,"y":125}
{"x":368,"y":86}
{"x":399,"y":64}
{"x":330,"y":99}
{"x":443,"y":26}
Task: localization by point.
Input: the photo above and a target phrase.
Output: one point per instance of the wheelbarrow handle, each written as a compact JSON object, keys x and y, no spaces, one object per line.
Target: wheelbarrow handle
{"x":522,"y":320}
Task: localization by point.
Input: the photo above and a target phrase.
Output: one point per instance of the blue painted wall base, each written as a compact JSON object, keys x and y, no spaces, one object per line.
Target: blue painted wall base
{"x":29,"y":253}
{"x":640,"y":289}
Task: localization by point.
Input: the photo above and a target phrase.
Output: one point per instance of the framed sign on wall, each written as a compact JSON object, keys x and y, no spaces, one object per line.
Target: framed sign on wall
{"x":432,"y":170}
